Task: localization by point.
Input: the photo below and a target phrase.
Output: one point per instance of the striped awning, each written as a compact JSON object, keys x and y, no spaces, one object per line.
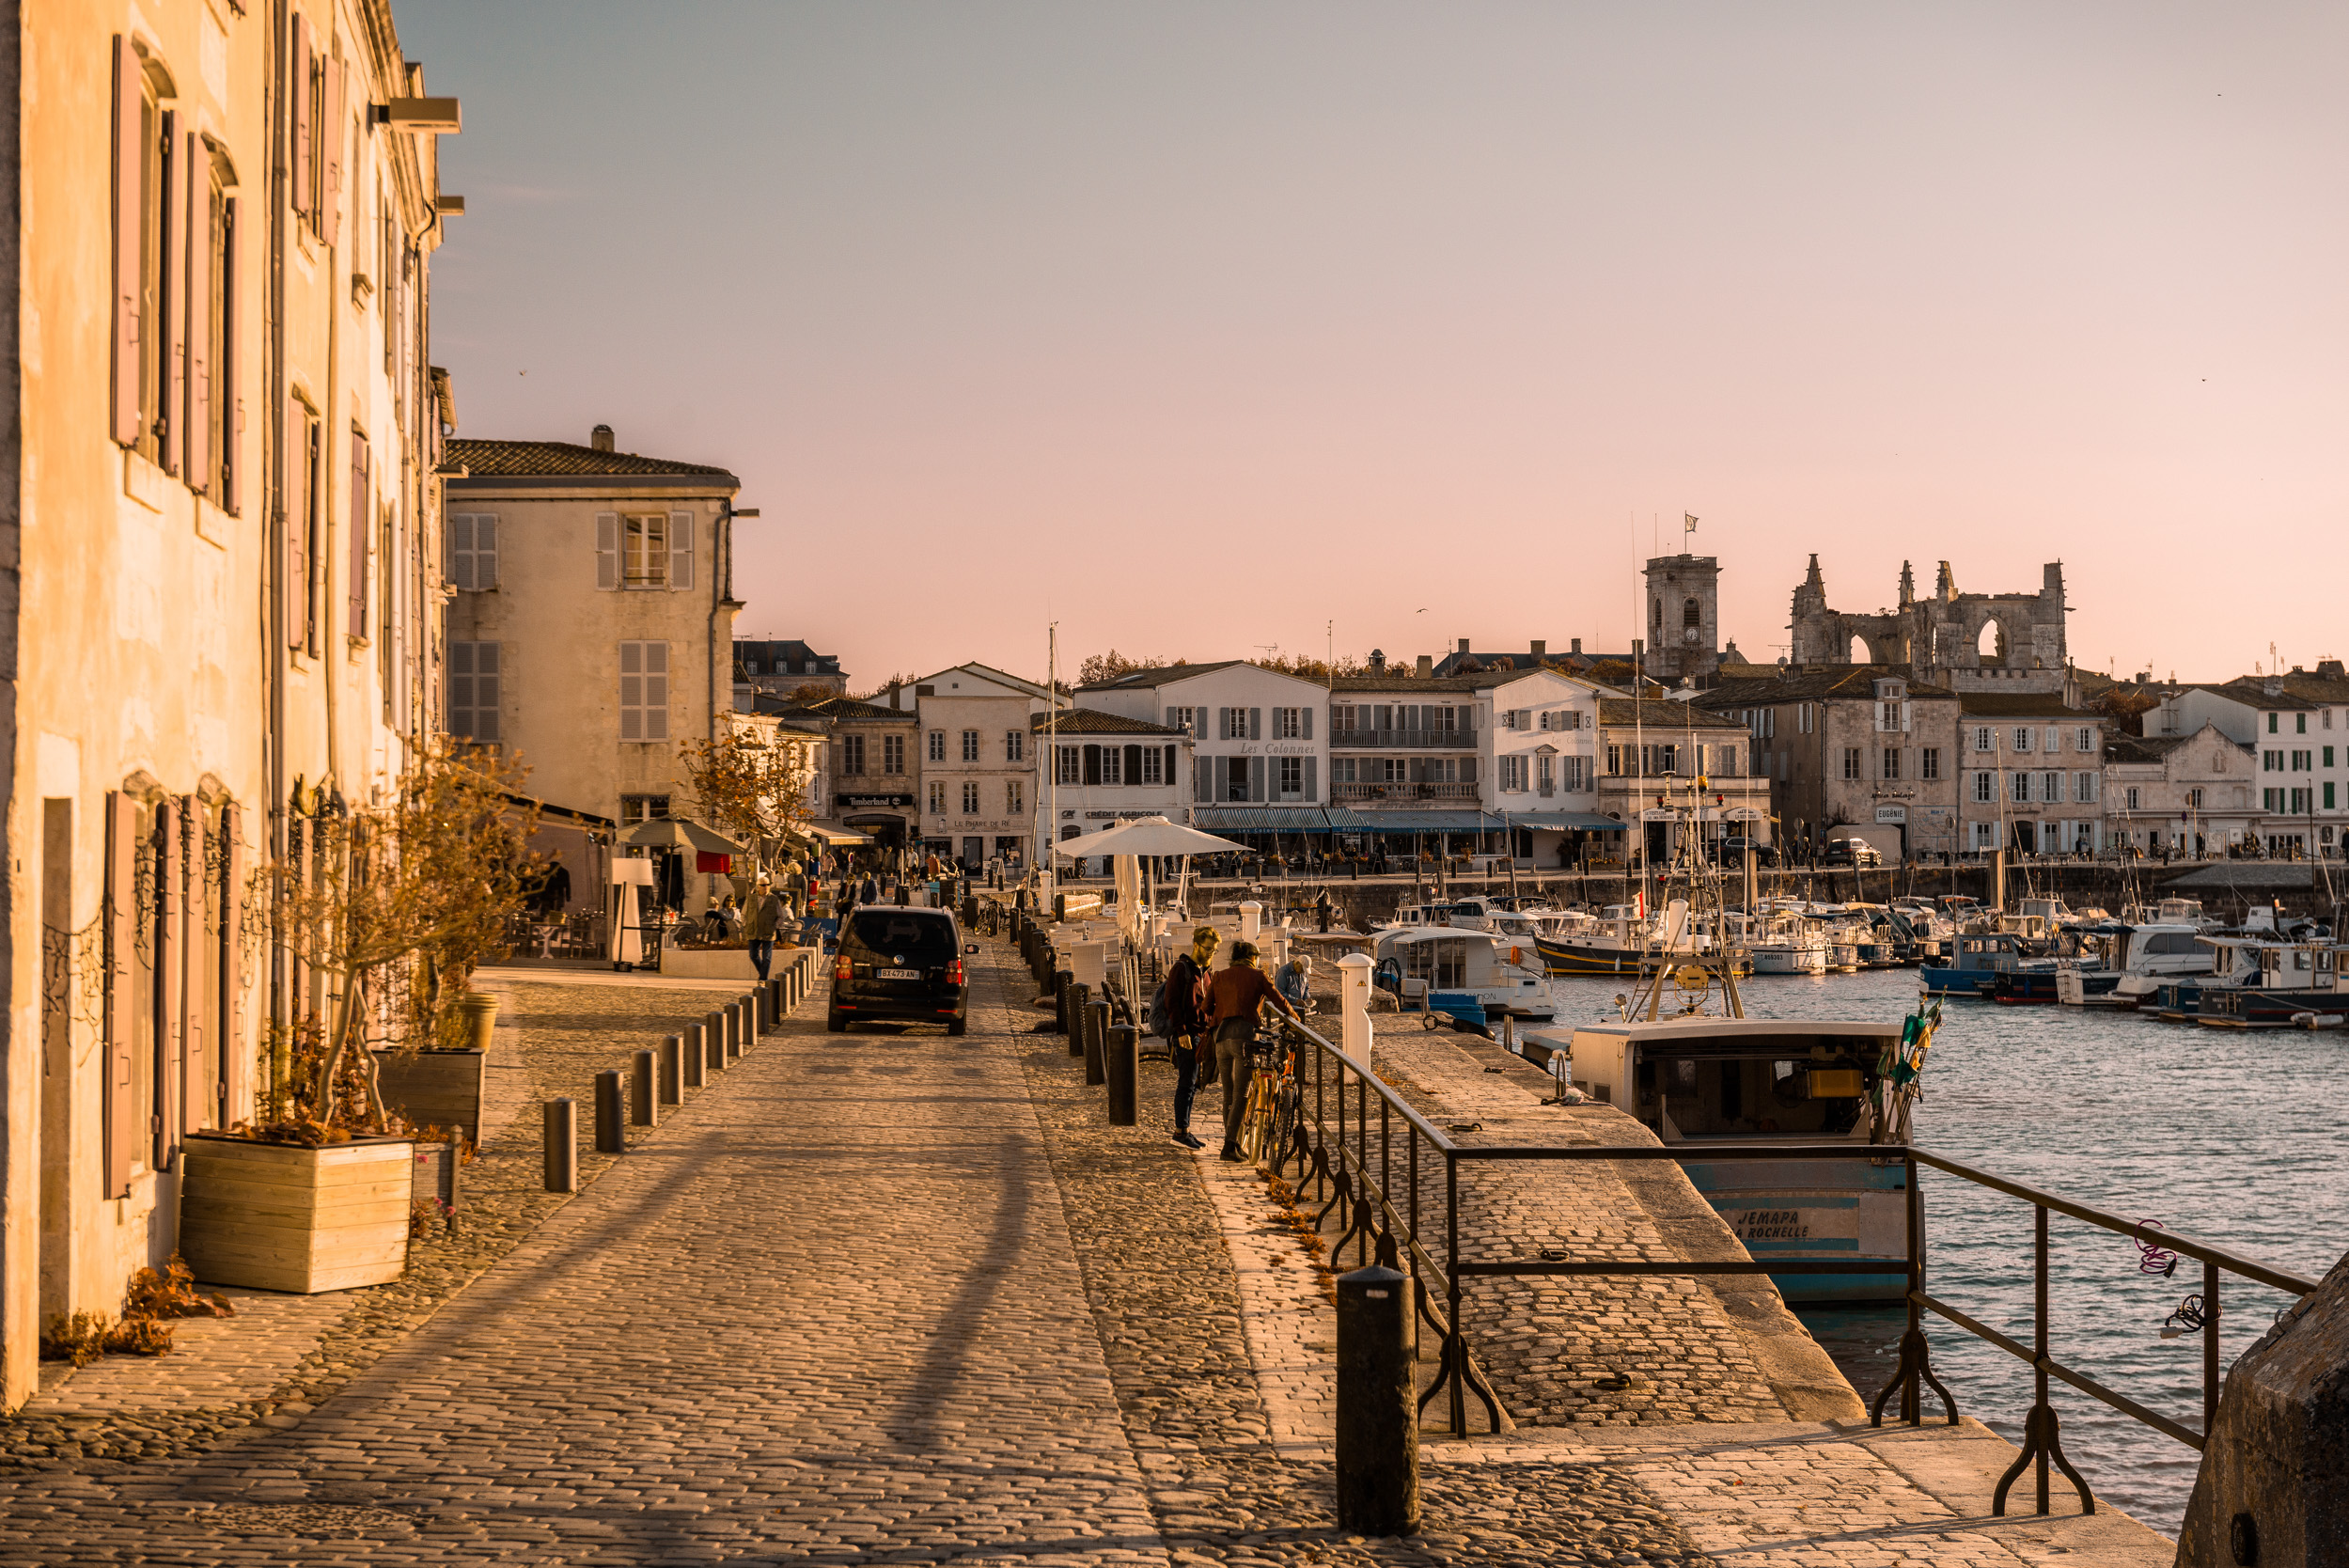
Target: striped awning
{"x":1259,"y":818}
{"x":1427,"y":822}
{"x":1568,"y":822}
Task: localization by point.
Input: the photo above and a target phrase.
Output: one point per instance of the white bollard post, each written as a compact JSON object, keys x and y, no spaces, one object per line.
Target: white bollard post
{"x":1353,"y":1008}
{"x":1251,"y":920}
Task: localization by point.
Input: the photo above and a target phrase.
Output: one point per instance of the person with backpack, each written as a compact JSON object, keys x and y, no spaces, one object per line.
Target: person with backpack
{"x":1187,"y":995}
{"x":1240,"y":992}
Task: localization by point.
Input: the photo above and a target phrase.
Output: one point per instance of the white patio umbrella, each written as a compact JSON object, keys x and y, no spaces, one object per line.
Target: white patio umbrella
{"x":1145,"y":835}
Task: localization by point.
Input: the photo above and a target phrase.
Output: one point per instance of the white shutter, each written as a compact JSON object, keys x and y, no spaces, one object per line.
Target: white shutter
{"x":461,"y":549}
{"x":656,"y":691}
{"x":607,"y":556}
{"x":485,"y":550}
{"x":680,"y":549}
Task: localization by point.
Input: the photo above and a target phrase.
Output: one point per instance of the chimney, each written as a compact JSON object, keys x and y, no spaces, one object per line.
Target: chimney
{"x":1426,"y":667}
{"x":2330,"y":669}
{"x":1378,"y":662}
{"x":1541,"y":649}
{"x":1574,"y":646}
{"x":1464,"y":645}
{"x":600,"y":438}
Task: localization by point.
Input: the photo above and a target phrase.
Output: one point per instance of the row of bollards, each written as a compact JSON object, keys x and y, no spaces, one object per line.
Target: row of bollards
{"x":1378,"y":1421}
{"x":658,"y":1078}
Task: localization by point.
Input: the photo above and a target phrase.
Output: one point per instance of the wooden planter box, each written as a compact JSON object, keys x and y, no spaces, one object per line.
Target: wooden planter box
{"x":435,"y":1089}
{"x":275,"y":1217}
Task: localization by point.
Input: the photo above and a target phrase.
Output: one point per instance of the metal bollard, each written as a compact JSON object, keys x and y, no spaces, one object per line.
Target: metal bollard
{"x":562,"y":1146}
{"x":611,"y":1135}
{"x":673,"y":1069}
{"x":1061,"y":980}
{"x":1378,"y":1429}
{"x":1096,"y":1042}
{"x":713,"y":1040}
{"x":640,"y":1106}
{"x":775,"y":1002}
{"x":1123,"y":1067}
{"x":696,"y":1059}
{"x":730,"y":1025}
{"x":1080,"y":997}
{"x":750,"y":1021}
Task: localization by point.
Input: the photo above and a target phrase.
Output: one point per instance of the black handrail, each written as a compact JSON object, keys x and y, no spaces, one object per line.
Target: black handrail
{"x":1371,"y":1220}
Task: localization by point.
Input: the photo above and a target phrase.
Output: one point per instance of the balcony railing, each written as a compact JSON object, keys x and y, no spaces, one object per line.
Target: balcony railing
{"x":1403,"y":740}
{"x":1397,"y":794}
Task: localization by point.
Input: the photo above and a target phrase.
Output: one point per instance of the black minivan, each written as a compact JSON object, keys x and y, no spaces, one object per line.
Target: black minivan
{"x":901,"y":964}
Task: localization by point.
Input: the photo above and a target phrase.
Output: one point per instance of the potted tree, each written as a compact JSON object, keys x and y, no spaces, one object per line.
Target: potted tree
{"x":388,"y":909}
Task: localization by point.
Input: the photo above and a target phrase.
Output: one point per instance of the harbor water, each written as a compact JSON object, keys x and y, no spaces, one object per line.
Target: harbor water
{"x":2232,"y":1137}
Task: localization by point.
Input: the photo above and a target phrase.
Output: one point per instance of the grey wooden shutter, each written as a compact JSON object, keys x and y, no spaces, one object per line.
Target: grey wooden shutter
{"x":1313,"y":777}
{"x":1133,"y":764}
{"x":130,"y":167}
{"x":171,"y":286}
{"x":632,"y":691}
{"x":330,"y":130}
{"x":1223,"y":724}
{"x":1256,"y":779}
{"x":485,"y":549}
{"x":1205,"y":768}
{"x":120,"y":1123}
{"x":607,"y":550}
{"x":656,"y":691}
{"x":485,"y":692}
{"x":1255,"y":724}
{"x":1093,"y":764}
{"x":298,"y":66}
{"x":1305,"y":716}
{"x":461,"y":550}
{"x":1467,"y":770}
{"x":1170,"y":774}
{"x":201,"y":239}
{"x":680,"y":549}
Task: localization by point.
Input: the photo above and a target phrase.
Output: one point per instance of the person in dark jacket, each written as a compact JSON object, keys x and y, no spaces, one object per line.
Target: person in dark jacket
{"x":1240,"y":992}
{"x":1184,"y":985}
{"x":765,"y":918}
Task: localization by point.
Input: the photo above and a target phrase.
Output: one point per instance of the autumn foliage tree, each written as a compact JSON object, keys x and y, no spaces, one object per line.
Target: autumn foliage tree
{"x":750,"y":785}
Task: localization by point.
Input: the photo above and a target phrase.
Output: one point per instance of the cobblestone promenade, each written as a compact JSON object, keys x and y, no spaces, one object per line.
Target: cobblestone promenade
{"x":884,"y":1297}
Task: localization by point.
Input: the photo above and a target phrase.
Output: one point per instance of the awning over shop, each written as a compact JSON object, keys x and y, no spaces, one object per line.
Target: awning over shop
{"x":1569,"y":822}
{"x":837,"y":838}
{"x":1430,"y":821}
{"x":1259,"y":818}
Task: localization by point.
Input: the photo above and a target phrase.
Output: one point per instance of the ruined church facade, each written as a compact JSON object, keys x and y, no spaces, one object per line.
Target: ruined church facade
{"x":1967,"y":642}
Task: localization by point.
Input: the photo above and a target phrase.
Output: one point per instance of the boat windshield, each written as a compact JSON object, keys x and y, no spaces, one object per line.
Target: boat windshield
{"x":1722,"y":1094}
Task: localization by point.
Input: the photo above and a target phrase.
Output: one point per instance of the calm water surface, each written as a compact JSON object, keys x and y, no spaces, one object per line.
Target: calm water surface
{"x":2240,"y":1139}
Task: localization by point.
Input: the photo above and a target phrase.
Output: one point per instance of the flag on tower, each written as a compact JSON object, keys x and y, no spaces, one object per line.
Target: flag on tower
{"x":1688,"y":524}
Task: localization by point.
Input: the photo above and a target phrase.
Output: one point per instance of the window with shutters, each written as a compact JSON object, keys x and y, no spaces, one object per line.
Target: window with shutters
{"x":305,"y":525}
{"x":2022,"y":740}
{"x":1289,"y":723}
{"x":2083,"y":788}
{"x":472,"y":551}
{"x":360,"y":535}
{"x":1985,"y":790}
{"x":1929,"y":763}
{"x":852,"y":756}
{"x":1072,"y":770}
{"x":1291,"y":782}
{"x":1112,"y":765}
{"x":1891,"y":769}
{"x":938,"y":748}
{"x":1985,"y":739}
{"x":1015,"y":745}
{"x":644,"y":691}
{"x":1182,"y":718}
{"x":2019,"y":787}
{"x":970,"y":797}
{"x":1014,"y":796}
{"x":473,"y":691}
{"x":1513,"y":774}
{"x":2194,"y":800}
{"x":144,"y":174}
{"x":937,"y":797}
{"x":2051,"y":788}
{"x":645,"y":550}
{"x":1851,"y":762}
{"x":970,"y":745}
{"x":2086,"y":738}
{"x":893,"y":754}
{"x":642,"y":809}
{"x":1153,"y":764}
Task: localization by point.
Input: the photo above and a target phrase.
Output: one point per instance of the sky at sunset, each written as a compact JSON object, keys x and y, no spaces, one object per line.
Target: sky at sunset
{"x":1197,"y":327}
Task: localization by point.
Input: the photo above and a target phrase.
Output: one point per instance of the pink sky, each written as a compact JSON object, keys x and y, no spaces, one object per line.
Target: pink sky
{"x":1197,"y":327}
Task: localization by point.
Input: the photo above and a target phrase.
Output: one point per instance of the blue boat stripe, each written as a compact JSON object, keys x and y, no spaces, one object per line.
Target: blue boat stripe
{"x":1814,"y":1244}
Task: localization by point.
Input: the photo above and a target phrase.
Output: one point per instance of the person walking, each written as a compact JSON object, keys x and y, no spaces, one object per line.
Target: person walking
{"x":764,"y":917}
{"x":1240,"y":992}
{"x":1187,"y":994}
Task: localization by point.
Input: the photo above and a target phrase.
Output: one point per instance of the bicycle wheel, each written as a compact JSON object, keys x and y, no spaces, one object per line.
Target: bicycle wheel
{"x":1286,"y":1101}
{"x":1256,"y":1118}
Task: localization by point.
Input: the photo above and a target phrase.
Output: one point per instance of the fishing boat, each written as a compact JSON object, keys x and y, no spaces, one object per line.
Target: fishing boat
{"x":2298,"y":985}
{"x":1979,"y":958}
{"x":1784,"y":943}
{"x":1464,"y":973}
{"x":2134,"y":960}
{"x":1612,"y":944}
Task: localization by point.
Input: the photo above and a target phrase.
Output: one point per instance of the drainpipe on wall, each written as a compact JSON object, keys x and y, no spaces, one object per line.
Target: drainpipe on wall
{"x":273,"y":488}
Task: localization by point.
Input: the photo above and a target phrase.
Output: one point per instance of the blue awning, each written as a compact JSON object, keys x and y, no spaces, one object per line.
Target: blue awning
{"x":1259,"y":818}
{"x":1569,"y":822}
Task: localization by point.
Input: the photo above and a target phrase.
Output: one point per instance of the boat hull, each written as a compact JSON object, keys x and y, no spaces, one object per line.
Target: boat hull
{"x":1577,"y":958}
{"x":1815,"y":1210}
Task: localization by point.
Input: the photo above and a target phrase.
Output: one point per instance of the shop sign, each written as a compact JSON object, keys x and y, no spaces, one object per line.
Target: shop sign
{"x":1896,"y":816}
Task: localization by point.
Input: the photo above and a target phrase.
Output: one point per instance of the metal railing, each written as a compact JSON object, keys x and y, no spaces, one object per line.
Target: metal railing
{"x":1405,"y":740}
{"x":1358,"y":1169}
{"x":1403,"y":791}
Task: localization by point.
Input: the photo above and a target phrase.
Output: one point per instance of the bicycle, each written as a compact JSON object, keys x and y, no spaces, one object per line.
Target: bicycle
{"x":1270,"y":1119}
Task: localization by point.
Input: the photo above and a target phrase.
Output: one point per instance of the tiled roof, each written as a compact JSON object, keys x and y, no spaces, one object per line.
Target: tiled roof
{"x":1135,"y":680}
{"x":561,"y":458}
{"x":845,"y":707}
{"x":2141,"y":748}
{"x":1660,"y":715}
{"x":1093,"y":721}
{"x":1857,"y":683}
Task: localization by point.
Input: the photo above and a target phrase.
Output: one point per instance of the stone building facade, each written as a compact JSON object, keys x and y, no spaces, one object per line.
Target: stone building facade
{"x":221,"y":552}
{"x":1684,"y":638}
{"x":2034,"y":774}
{"x":978,"y":768}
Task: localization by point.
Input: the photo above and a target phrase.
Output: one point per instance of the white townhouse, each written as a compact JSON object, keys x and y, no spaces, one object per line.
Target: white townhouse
{"x":1094,"y":769}
{"x":1541,"y":755}
{"x":2296,"y":726}
{"x":1260,"y":738}
{"x":978,"y":768}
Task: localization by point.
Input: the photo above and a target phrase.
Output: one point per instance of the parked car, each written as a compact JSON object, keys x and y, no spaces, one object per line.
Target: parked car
{"x":1851,"y":852}
{"x":1732,"y":853}
{"x":899,"y":963}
